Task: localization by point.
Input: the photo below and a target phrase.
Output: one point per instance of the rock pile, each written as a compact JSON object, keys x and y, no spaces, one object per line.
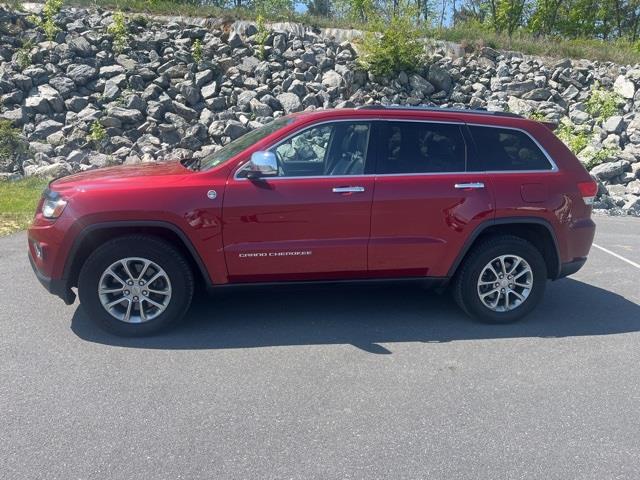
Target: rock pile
{"x":81,"y":104}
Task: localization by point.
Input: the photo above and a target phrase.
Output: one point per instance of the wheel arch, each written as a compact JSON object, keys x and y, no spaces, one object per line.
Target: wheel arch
{"x":535,"y":230}
{"x":96,"y":234}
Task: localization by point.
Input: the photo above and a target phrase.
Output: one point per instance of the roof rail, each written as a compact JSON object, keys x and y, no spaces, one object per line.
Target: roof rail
{"x":479,"y":111}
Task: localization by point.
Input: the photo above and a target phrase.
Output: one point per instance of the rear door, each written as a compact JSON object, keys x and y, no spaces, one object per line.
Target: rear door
{"x":310,"y":222}
{"x":427,"y":201}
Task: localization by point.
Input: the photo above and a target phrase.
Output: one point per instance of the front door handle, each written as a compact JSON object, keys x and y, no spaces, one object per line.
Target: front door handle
{"x":471,"y":185}
{"x":348,"y":189}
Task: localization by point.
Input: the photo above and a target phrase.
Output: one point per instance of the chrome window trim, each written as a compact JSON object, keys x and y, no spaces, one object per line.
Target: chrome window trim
{"x":554,"y":167}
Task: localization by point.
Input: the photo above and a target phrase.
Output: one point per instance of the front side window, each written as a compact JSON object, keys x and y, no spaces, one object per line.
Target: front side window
{"x":421,"y":147}
{"x":325,"y":150}
{"x":502,"y":149}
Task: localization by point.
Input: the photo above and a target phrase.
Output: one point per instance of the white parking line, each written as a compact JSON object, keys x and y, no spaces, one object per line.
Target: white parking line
{"x":617,"y":256}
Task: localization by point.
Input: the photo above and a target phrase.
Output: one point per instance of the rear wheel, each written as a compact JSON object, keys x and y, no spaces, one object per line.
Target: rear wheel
{"x":135,"y":285}
{"x":501,"y":280}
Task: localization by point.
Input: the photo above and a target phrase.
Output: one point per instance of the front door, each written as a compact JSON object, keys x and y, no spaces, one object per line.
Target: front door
{"x":310,"y":222}
{"x":427,"y":201}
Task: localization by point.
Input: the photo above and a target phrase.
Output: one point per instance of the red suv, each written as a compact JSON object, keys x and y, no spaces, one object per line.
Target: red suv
{"x":491,"y":204}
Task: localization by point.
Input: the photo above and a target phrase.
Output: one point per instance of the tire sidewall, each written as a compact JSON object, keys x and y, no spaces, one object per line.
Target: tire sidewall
{"x":158,"y":252}
{"x":472,"y":302}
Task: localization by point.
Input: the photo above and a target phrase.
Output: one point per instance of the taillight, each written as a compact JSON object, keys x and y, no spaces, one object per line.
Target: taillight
{"x":588,"y":190}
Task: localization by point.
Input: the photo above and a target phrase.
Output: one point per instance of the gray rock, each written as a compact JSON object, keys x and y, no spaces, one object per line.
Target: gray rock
{"x":609,"y":170}
{"x":298,"y":88}
{"x":624,"y":87}
{"x":633,"y":206}
{"x":440,"y":78}
{"x":234,"y":40}
{"x":538,"y":94}
{"x":614,"y":124}
{"x":518,"y":89}
{"x":290,"y":102}
{"x":579,"y":117}
{"x":234,"y":129}
{"x":280,"y":42}
{"x":209,"y":91}
{"x":17,"y":116}
{"x":81,"y":74}
{"x":125,"y":115}
{"x":46,"y":128}
{"x":190,"y":93}
{"x":202,"y":78}
{"x":634,"y":187}
{"x":111,"y":91}
{"x":80,"y":46}
{"x":111,"y":71}
{"x":76,"y":104}
{"x":63,"y":85}
{"x":332,"y":79}
{"x":23,"y":82}
{"x":55,"y":170}
{"x":260,"y":109}
{"x":421,"y":85}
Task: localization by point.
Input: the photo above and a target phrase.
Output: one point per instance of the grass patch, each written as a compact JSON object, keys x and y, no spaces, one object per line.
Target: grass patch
{"x":473,"y":36}
{"x":18,"y":201}
{"x":470,"y":34}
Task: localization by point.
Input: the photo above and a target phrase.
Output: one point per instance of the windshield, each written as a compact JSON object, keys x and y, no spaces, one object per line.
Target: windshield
{"x":242,"y":143}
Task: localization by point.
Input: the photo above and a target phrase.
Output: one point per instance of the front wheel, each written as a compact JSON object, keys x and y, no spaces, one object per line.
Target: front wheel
{"x":501,"y":280}
{"x":135,"y":285}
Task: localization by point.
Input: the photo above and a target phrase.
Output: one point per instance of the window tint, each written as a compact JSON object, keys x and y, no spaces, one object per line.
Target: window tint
{"x":329,"y":149}
{"x":421,"y":147}
{"x":505,"y":149}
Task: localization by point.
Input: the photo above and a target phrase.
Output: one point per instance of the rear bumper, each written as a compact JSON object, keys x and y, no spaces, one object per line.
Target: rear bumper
{"x":57,"y":287}
{"x":572,"y":267}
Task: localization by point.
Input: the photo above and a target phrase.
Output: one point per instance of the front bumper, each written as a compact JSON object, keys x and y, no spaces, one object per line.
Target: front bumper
{"x":58,"y":287}
{"x":572,"y":267}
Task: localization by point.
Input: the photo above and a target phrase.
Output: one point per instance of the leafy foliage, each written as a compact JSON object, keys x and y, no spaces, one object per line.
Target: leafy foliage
{"x":537,"y":116}
{"x":23,"y":55}
{"x":196,"y":50}
{"x":273,"y":8}
{"x":119,"y":32}
{"x":573,"y":138}
{"x":599,"y":157}
{"x":602,"y":103}
{"x":261,"y":36}
{"x":97,"y":133}
{"x":47,"y":21}
{"x":394,"y":49}
{"x":11,"y":144}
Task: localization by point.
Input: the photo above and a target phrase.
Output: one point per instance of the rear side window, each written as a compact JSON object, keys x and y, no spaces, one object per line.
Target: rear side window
{"x":421,"y":147}
{"x":503,"y":149}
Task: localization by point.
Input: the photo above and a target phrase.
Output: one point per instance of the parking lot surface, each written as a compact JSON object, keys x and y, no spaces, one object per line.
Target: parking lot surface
{"x":329,"y":382}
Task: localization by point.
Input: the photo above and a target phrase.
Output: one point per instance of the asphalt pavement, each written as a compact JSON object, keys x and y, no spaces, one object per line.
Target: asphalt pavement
{"x":344,"y":382}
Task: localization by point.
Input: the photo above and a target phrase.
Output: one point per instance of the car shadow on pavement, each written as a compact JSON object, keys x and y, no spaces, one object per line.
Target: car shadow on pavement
{"x":368,"y":316}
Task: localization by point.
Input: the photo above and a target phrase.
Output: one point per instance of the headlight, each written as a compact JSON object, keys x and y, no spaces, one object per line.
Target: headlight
{"x":53,"y":205}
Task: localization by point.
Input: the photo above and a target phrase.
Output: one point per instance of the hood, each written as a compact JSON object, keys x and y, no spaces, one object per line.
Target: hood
{"x":129,"y":175}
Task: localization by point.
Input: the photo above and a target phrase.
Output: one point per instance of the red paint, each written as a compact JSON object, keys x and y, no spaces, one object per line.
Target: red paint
{"x":402,"y":225}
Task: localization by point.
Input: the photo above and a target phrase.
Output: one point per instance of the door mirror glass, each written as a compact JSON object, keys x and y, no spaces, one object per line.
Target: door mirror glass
{"x":262,"y":164}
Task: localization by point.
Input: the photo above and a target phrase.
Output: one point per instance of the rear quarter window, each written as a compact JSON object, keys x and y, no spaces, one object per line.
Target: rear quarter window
{"x":505,"y":149}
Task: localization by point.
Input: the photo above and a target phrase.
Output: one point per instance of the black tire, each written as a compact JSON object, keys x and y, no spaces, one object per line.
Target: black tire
{"x":148,"y":247}
{"x":465,"y":285}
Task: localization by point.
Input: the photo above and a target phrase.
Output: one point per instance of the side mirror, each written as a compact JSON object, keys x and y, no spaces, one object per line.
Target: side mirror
{"x":262,"y":164}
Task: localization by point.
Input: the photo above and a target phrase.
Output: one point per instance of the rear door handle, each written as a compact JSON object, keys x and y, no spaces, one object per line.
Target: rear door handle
{"x":348,"y":189}
{"x":470,"y":185}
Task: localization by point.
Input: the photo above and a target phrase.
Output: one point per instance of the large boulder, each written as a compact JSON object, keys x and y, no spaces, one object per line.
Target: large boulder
{"x":290,"y":102}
